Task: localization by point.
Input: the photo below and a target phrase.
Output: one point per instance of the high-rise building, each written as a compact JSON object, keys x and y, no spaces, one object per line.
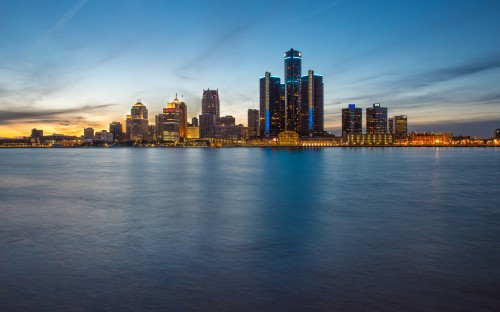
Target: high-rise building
{"x":88,"y":133}
{"x":293,"y":68}
{"x":311,"y":105}
{"x":207,"y":125}
{"x":227,"y":121}
{"x":497,"y":134}
{"x":376,"y":119}
{"x":137,"y":122}
{"x":210,"y":103}
{"x":182,"y":115}
{"x":253,"y":123}
{"x":194,"y":122}
{"x":169,"y":123}
{"x":116,"y":129}
{"x":391,"y":125}
{"x":400,"y":127}
{"x":352,"y":119}
{"x":272,"y":108}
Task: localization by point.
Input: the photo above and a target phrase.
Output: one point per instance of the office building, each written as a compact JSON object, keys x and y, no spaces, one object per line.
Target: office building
{"x":253,"y":123}
{"x":400,"y":127}
{"x":293,"y":68}
{"x":194,"y":122}
{"x":207,"y":125}
{"x":137,"y":122}
{"x":88,"y":133}
{"x":210,"y":102}
{"x":193,"y":132}
{"x":227,"y":121}
{"x":376,"y":119}
{"x":352,"y":120}
{"x":116,"y":129}
{"x":311,"y":105}
{"x":272,"y":106}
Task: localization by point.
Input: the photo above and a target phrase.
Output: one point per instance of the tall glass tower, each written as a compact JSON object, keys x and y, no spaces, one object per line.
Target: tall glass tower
{"x":293,"y":69}
{"x":271,"y":106}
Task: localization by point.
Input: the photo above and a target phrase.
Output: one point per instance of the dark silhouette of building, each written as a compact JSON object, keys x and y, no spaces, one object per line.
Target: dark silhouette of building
{"x":194,"y":122}
{"x":311,"y":105}
{"x":227,"y":121}
{"x":272,"y":106}
{"x":207,"y":125}
{"x":116,"y":129}
{"x":293,"y":68}
{"x":400,"y":127}
{"x":210,"y":103}
{"x":376,"y":119}
{"x":253,"y":123}
{"x":497,"y":134}
{"x":351,"y":120}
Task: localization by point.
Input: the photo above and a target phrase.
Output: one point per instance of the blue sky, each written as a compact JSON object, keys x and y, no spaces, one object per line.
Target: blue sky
{"x":66,"y":65}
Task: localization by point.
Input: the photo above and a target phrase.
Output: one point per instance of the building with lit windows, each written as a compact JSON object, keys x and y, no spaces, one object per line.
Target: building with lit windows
{"x":293,"y":70}
{"x":193,"y":132}
{"x":376,"y":119}
{"x":400,"y":127}
{"x":272,"y":108}
{"x":352,"y":120}
{"x":369,"y":139}
{"x":253,"y":123}
{"x":88,"y":133}
{"x":137,"y":122}
{"x":116,"y":129}
{"x":430,"y":138}
{"x":210,"y":102}
{"x":311,"y":105}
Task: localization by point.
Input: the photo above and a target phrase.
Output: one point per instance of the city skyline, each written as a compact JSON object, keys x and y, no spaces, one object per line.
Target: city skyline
{"x":437,"y":62}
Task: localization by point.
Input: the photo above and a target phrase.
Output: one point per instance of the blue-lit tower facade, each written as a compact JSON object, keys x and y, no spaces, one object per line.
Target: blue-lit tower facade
{"x":311,"y":105}
{"x":293,"y":69}
{"x":271,"y":106}
{"x":351,"y":120}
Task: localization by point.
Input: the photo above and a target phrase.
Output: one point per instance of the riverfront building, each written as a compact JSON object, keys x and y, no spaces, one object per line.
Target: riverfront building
{"x":376,"y":119}
{"x":311,"y":105}
{"x":253,"y":123}
{"x":352,"y":120}
{"x":137,"y":122}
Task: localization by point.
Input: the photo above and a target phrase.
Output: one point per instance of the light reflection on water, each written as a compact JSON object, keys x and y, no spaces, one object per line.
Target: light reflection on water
{"x":250,"y":229}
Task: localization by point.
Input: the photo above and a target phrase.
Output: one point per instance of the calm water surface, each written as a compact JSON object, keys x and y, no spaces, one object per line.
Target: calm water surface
{"x":250,"y":229}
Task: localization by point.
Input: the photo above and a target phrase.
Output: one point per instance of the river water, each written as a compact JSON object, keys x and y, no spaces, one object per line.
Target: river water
{"x":250,"y":229}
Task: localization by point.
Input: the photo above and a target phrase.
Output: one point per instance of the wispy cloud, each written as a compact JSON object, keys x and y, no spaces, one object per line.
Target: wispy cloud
{"x":29,"y":115}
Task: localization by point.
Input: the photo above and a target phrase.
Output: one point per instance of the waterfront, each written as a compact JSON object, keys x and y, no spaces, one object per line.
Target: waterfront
{"x":250,"y":229}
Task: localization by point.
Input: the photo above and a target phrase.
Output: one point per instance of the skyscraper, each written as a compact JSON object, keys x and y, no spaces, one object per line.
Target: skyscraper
{"x":210,"y":103}
{"x":400,"y":127}
{"x":352,"y":119}
{"x":253,"y":123}
{"x":210,"y":113}
{"x":311,"y":105}
{"x":182,"y":115}
{"x":271,"y":106}
{"x":376,"y":119}
{"x":116,"y":129}
{"x":137,"y":122}
{"x":194,"y":122}
{"x":293,"y":68}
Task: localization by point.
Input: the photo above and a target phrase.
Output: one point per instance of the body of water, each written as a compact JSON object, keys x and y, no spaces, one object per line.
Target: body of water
{"x":250,"y":229}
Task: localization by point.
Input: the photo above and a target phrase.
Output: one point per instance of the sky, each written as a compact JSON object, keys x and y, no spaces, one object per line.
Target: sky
{"x":70,"y":64}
